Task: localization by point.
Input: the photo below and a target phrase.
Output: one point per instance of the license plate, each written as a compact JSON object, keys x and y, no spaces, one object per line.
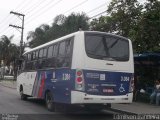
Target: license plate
{"x":108,"y":90}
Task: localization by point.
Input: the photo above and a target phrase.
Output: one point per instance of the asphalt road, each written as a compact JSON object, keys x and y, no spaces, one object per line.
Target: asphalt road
{"x":13,"y":108}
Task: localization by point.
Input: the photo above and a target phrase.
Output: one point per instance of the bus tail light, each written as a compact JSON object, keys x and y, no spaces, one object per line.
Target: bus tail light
{"x":79,"y":73}
{"x":79,"y":82}
{"x":131,"y":86}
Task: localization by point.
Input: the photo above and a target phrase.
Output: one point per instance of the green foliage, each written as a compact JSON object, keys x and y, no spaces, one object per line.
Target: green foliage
{"x":148,"y":32}
{"x":61,"y":26}
{"x":38,"y":36}
{"x":125,"y":14}
{"x":8,"y":50}
{"x":140,"y":23}
{"x":104,"y":23}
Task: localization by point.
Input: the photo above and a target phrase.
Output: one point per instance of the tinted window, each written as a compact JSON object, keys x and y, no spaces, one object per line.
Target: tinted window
{"x":64,"y":56}
{"x":37,"y":53}
{"x":50,"y":51}
{"x":41,"y":53}
{"x":33,"y":55}
{"x":29,"y":56}
{"x":55,"y":50}
{"x":107,"y":47}
{"x":58,"y":55}
{"x":44,"y":52}
{"x":68,"y":46}
{"x":62,"y":49}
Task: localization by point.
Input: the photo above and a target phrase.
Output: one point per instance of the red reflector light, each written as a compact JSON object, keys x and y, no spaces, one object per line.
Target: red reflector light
{"x":79,"y":73}
{"x":79,"y":79}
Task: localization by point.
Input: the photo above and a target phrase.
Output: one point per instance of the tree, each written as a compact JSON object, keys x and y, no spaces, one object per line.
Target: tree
{"x":140,"y":23}
{"x":75,"y":21}
{"x":8,"y":50}
{"x":104,"y":24}
{"x":38,"y":36}
{"x":148,"y":32}
{"x":125,"y":14}
{"x":61,"y":26}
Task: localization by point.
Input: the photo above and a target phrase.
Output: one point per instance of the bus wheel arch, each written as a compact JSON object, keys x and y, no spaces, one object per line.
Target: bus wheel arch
{"x":49,"y":101}
{"x":23,"y":96}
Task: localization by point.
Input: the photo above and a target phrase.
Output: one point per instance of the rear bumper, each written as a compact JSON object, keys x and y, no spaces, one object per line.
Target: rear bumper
{"x":82,"y":98}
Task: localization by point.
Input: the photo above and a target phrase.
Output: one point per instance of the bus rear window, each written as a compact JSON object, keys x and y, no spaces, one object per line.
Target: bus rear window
{"x":105,"y":47}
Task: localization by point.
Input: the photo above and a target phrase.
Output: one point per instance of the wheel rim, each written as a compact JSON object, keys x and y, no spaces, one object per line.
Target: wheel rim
{"x":21,"y":92}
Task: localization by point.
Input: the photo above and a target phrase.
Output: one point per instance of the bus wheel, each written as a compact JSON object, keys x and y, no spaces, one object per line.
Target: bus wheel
{"x":49,"y":102}
{"x":23,"y":96}
{"x":108,"y":105}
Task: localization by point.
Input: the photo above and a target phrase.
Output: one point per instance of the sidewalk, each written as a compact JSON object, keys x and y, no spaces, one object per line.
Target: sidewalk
{"x":135,"y":107}
{"x":138,"y":108}
{"x":9,"y":83}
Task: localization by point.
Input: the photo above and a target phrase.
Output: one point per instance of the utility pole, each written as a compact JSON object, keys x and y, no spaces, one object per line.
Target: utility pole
{"x":21,"y":16}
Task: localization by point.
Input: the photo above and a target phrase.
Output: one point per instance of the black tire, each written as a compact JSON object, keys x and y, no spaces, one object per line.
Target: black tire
{"x":109,"y":105}
{"x":23,"y":96}
{"x":49,"y":102}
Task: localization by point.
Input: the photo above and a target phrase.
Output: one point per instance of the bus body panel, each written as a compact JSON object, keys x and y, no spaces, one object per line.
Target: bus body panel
{"x":97,"y":83}
{"x":81,"y":60}
{"x":78,"y":60}
{"x":62,"y":85}
{"x":59,"y":81}
{"x":114,"y":74}
{"x":78,"y":97}
{"x":28,"y":79}
{"x":107,"y":83}
{"x":104,"y":81}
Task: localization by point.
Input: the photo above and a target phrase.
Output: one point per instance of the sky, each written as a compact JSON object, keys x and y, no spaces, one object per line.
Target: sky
{"x":39,"y":12}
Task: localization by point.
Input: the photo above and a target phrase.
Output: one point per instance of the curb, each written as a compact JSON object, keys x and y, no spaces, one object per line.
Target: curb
{"x":7,"y":86}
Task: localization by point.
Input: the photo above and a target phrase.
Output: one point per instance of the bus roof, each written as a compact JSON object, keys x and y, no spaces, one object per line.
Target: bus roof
{"x":51,"y":42}
{"x":68,"y":36}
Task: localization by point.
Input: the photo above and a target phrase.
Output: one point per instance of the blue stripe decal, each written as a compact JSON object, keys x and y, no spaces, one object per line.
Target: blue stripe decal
{"x":62,"y":81}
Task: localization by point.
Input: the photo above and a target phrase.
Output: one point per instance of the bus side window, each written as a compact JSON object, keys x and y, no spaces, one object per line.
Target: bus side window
{"x":32,"y":61}
{"x":40,"y":53}
{"x":68,"y":53}
{"x":61,"y":55}
{"x":36,"y":60}
{"x":44,"y":52}
{"x":29,"y":57}
{"x":64,"y":55}
{"x":68,"y":47}
{"x":37,"y":54}
{"x":51,"y":57}
{"x":61,"y":49}
{"x":50,"y":52}
{"x":39,"y":65}
{"x":29,"y":65}
{"x":33,"y":55}
{"x":42,"y":58}
{"x":55,"y":50}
